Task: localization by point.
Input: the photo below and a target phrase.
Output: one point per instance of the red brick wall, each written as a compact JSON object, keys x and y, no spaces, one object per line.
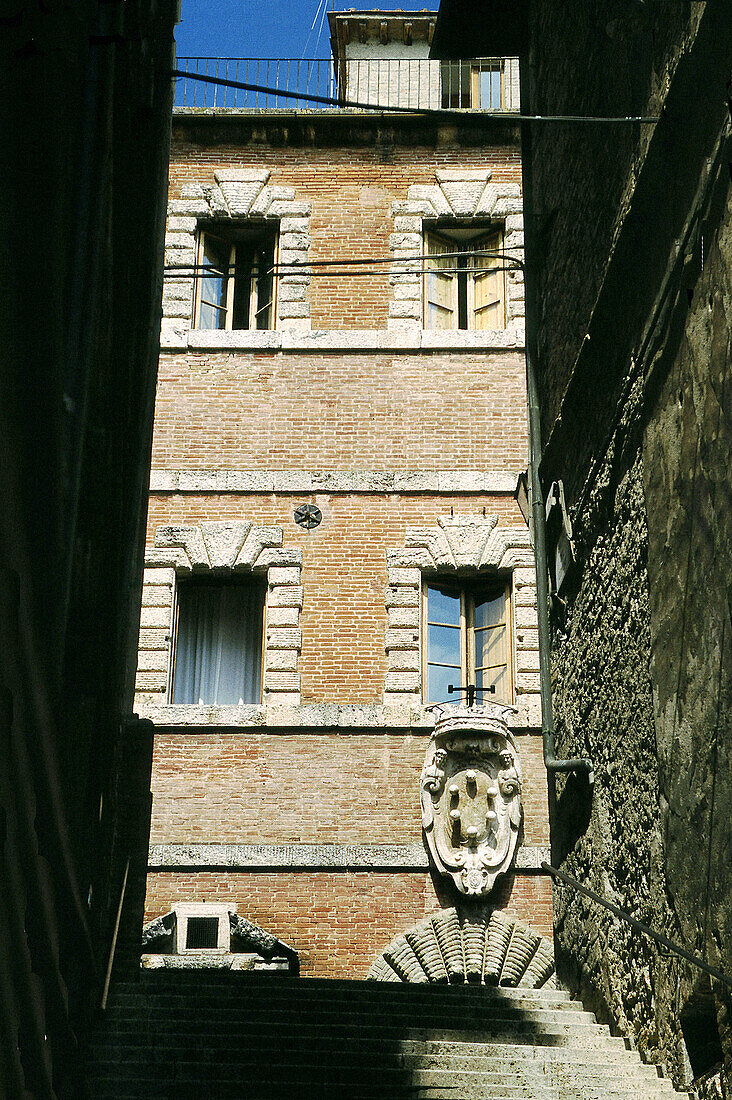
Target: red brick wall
{"x":247,"y":787}
{"x":341,"y":411}
{"x":337,"y":921}
{"x":351,"y":192}
{"x":344,"y":571}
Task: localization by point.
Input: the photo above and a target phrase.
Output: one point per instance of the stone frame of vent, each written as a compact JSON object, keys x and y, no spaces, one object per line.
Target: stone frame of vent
{"x":466,"y":546}
{"x":237,"y":193}
{"x":462,"y":194}
{"x":228,"y":546}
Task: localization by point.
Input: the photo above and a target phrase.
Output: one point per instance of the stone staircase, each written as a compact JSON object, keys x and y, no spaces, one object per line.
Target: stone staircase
{"x":213,"y":1035}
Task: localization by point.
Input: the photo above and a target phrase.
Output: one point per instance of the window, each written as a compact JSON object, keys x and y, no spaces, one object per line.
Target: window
{"x":467,"y":641}
{"x":235,"y":286}
{"x":217,"y":644}
{"x":472,"y":85}
{"x":202,"y":933}
{"x":463,"y":287}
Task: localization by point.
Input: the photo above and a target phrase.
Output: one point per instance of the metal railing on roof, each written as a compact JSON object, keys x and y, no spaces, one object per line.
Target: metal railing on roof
{"x":485,"y":84}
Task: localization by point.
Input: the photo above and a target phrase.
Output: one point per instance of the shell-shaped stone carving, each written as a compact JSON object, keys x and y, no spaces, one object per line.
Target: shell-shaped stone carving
{"x":468,"y":947}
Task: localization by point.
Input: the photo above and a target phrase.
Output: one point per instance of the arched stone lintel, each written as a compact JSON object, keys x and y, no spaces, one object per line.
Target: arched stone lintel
{"x":226,"y":547}
{"x":463,"y":545}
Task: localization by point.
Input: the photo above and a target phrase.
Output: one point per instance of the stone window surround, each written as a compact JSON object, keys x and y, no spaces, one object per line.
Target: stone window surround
{"x":462,"y":195}
{"x":461,"y":545}
{"x":237,"y":193}
{"x":228,"y":546}
{"x":244,"y":192}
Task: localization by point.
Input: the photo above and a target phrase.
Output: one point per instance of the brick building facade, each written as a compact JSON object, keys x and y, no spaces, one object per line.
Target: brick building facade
{"x":299,"y":803}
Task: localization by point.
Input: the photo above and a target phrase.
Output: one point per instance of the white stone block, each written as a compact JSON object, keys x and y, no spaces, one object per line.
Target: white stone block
{"x":293,"y":309}
{"x":154,"y":638}
{"x":402,"y":681}
{"x":152,"y":660}
{"x":292,"y":292}
{"x":283,"y":616}
{"x":283,"y":574}
{"x":281,"y":681}
{"x":401,"y":660}
{"x":295,"y":241}
{"x":402,"y":597}
{"x":283,"y":637}
{"x":157,"y":595}
{"x":411,"y":291}
{"x":411,"y":309}
{"x":285,"y":596}
{"x":405,"y":577}
{"x":273,"y":557}
{"x":179,"y":223}
{"x":401,"y":639}
{"x":404,"y":618}
{"x":157,"y":575}
{"x":525,"y":616}
{"x":156,"y":681}
{"x":291,"y":481}
{"x":294,"y":224}
{"x":282,"y":660}
{"x":155,"y":616}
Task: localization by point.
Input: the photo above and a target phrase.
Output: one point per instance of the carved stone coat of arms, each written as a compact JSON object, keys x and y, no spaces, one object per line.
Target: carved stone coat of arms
{"x":471,"y":795}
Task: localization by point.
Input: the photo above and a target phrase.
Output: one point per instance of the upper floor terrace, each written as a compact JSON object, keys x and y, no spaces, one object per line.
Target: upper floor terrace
{"x":361,"y":83}
{"x":378,"y":59}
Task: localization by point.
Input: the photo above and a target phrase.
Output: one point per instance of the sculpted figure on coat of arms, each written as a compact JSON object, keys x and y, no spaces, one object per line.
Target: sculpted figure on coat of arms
{"x":471,"y":795}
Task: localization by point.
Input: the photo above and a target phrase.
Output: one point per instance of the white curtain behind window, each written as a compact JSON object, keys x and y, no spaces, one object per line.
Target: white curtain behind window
{"x":218,"y":653}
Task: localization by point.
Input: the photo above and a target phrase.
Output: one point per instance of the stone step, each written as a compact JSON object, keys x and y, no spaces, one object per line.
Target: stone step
{"x":193,"y":1035}
{"x":384,"y":1082}
{"x":429,"y":1015}
{"x":636,"y":1075}
{"x":394,"y":995}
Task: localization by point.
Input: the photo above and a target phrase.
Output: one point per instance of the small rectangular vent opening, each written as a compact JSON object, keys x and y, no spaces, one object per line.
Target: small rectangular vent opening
{"x":202,"y":933}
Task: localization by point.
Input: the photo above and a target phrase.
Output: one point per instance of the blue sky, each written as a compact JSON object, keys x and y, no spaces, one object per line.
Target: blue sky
{"x":264,"y":28}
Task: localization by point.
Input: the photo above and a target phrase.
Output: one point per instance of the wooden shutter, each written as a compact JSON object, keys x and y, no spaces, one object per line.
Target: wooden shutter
{"x":440,"y":283}
{"x":486,"y":301}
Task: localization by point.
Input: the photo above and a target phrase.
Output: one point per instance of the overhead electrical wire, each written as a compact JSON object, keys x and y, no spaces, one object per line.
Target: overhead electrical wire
{"x":339,"y":267}
{"x":332,"y":101}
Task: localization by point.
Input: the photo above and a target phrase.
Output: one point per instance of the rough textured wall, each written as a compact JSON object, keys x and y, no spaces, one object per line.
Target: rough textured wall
{"x":687,"y":463}
{"x":583,"y":176}
{"x":604,"y":705}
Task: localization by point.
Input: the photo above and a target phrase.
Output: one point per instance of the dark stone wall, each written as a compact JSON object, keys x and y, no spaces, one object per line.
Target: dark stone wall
{"x":85,"y":116}
{"x":589,"y":58}
{"x":687,"y":459}
{"x":630,"y":240}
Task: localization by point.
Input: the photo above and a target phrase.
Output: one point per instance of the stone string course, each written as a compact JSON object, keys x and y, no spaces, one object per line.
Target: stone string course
{"x":279,"y":857}
{"x":336,"y":481}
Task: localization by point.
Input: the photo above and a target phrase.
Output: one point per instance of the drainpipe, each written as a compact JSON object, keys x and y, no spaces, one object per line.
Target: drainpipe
{"x":574,"y":764}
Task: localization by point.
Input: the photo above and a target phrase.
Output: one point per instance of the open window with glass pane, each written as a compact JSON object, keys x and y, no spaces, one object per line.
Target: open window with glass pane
{"x":475,"y":85}
{"x":464,"y":281}
{"x":235,"y":288}
{"x":467,"y":641}
{"x":217,"y":641}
